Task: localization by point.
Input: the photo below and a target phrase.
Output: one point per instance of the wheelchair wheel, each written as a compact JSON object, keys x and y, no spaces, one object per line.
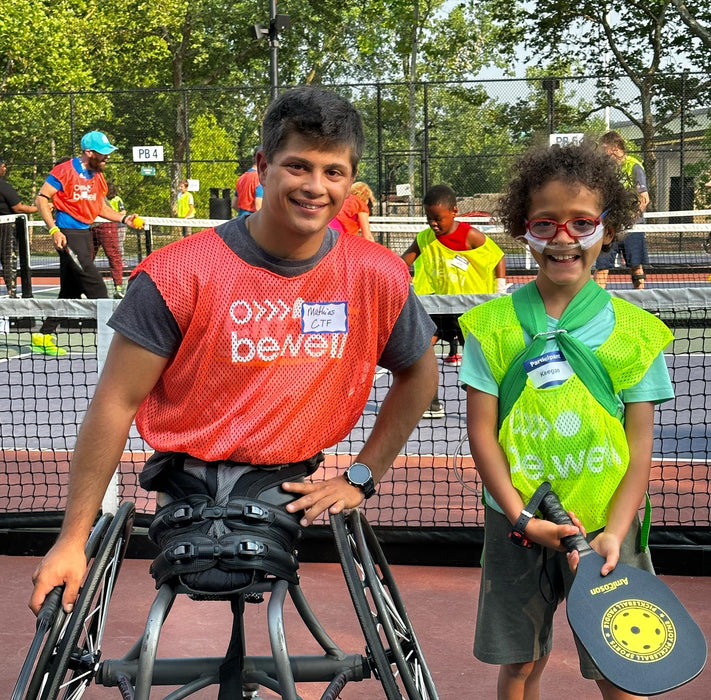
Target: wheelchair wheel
{"x":73,"y":656}
{"x":373,"y":589}
{"x":50,"y":622}
{"x":405,"y":648}
{"x":375,"y":650}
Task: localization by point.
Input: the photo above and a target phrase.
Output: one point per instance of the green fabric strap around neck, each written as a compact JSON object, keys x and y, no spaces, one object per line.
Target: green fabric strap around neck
{"x":531,"y":314}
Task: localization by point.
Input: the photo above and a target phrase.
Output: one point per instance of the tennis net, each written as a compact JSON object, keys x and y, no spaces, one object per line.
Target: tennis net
{"x":679,"y":245}
{"x":433,"y":483}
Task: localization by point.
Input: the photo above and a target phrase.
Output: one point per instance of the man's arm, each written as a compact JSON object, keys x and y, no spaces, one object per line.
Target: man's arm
{"x":109,"y":213}
{"x":640,"y":182}
{"x":128,"y":376}
{"x":44,"y":205}
{"x":410,"y":393}
{"x":21,"y":208}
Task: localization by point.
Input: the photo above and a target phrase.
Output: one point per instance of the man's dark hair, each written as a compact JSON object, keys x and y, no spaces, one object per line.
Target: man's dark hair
{"x":441,"y":195}
{"x":319,"y":116}
{"x":584,"y":165}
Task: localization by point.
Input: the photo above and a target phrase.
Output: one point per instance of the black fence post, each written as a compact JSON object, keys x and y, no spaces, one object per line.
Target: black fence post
{"x":23,"y":248}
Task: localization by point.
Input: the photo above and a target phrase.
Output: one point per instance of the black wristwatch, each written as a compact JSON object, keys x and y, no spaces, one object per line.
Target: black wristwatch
{"x":360,"y":476}
{"x":517,"y":535}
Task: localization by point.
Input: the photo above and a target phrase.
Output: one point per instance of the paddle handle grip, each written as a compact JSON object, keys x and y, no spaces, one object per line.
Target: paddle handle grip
{"x":553,"y":510}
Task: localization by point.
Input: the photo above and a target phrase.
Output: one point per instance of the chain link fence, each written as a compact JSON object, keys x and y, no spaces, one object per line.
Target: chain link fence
{"x":465,"y":134}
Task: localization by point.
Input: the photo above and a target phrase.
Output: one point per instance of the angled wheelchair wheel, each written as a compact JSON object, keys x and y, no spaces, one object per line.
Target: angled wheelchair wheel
{"x":387,"y":626}
{"x":71,"y":659}
{"x":50,"y":622}
{"x":376,"y":653}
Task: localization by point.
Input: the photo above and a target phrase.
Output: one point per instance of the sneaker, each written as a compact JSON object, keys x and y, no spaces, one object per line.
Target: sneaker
{"x":45,"y":345}
{"x":436,"y":410}
{"x":118,"y":292}
{"x":453,"y":360}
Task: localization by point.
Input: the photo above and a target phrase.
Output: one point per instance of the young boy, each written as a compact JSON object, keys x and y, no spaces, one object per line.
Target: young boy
{"x":634,"y":246}
{"x":561,"y":381}
{"x":186,"y":203}
{"x":221,"y":385}
{"x":452,"y":257}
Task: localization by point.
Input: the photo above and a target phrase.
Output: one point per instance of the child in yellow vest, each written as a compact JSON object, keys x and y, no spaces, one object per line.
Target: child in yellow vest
{"x":452,"y":257}
{"x":561,"y":382}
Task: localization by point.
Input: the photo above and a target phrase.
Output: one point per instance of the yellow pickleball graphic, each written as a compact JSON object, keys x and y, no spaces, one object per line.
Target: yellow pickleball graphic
{"x":638,"y":630}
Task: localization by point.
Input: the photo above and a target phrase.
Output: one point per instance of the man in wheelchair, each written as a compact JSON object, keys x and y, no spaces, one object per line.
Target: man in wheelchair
{"x":243,"y":351}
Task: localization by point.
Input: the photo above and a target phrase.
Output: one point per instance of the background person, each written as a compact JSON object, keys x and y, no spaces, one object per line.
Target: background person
{"x":70,"y":199}
{"x":117,"y":204}
{"x":248,"y":189}
{"x":110,"y":235}
{"x":10,"y":203}
{"x":555,"y":373}
{"x":452,"y":257}
{"x":633,"y":246}
{"x":220,"y":390}
{"x":354,"y":217}
{"x":186,"y":203}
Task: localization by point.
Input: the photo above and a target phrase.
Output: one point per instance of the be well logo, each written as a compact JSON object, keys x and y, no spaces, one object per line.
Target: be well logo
{"x":553,"y":459}
{"x":324,"y":330}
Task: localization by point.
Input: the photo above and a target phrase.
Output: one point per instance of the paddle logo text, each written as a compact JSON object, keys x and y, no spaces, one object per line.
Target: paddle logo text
{"x":610,"y":586}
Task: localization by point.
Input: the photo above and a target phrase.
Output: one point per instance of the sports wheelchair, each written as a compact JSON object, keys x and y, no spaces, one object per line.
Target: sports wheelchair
{"x":64,"y":658}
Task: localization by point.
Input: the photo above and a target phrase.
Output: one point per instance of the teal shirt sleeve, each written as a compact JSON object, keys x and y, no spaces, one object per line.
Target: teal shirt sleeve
{"x":475,"y":371}
{"x":655,"y":386}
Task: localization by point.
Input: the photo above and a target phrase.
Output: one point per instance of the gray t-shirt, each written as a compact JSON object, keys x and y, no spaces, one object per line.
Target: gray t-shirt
{"x":144,"y":317}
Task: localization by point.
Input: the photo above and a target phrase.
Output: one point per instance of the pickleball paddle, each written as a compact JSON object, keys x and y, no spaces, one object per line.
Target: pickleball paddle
{"x":73,"y":257}
{"x":636,"y":630}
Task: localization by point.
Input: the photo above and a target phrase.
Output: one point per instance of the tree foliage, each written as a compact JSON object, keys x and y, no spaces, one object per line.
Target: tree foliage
{"x":639,"y":41}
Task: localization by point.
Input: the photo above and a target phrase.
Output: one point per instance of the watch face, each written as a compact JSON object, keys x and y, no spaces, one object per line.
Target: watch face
{"x":359,"y":473}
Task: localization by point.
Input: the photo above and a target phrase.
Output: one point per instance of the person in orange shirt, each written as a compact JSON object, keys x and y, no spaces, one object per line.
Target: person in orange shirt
{"x":354,"y":217}
{"x":248,"y":190}
{"x":70,"y":200}
{"x":232,"y":397}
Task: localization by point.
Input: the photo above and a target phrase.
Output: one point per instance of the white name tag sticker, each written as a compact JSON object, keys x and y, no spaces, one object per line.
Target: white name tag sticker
{"x":459,"y":261}
{"x":324,"y":317}
{"x":549,"y":369}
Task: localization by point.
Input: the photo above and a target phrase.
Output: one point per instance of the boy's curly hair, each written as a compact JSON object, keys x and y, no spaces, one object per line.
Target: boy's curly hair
{"x":585,"y":164}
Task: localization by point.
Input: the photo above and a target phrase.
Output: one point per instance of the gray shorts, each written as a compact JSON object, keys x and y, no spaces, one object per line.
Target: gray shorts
{"x":520,"y":591}
{"x":633,"y":248}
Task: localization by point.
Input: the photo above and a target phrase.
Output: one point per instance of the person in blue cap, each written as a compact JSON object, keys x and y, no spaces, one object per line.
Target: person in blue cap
{"x":71,"y":198}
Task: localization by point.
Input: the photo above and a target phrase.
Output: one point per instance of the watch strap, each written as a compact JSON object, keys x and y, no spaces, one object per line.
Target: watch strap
{"x":517,"y":533}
